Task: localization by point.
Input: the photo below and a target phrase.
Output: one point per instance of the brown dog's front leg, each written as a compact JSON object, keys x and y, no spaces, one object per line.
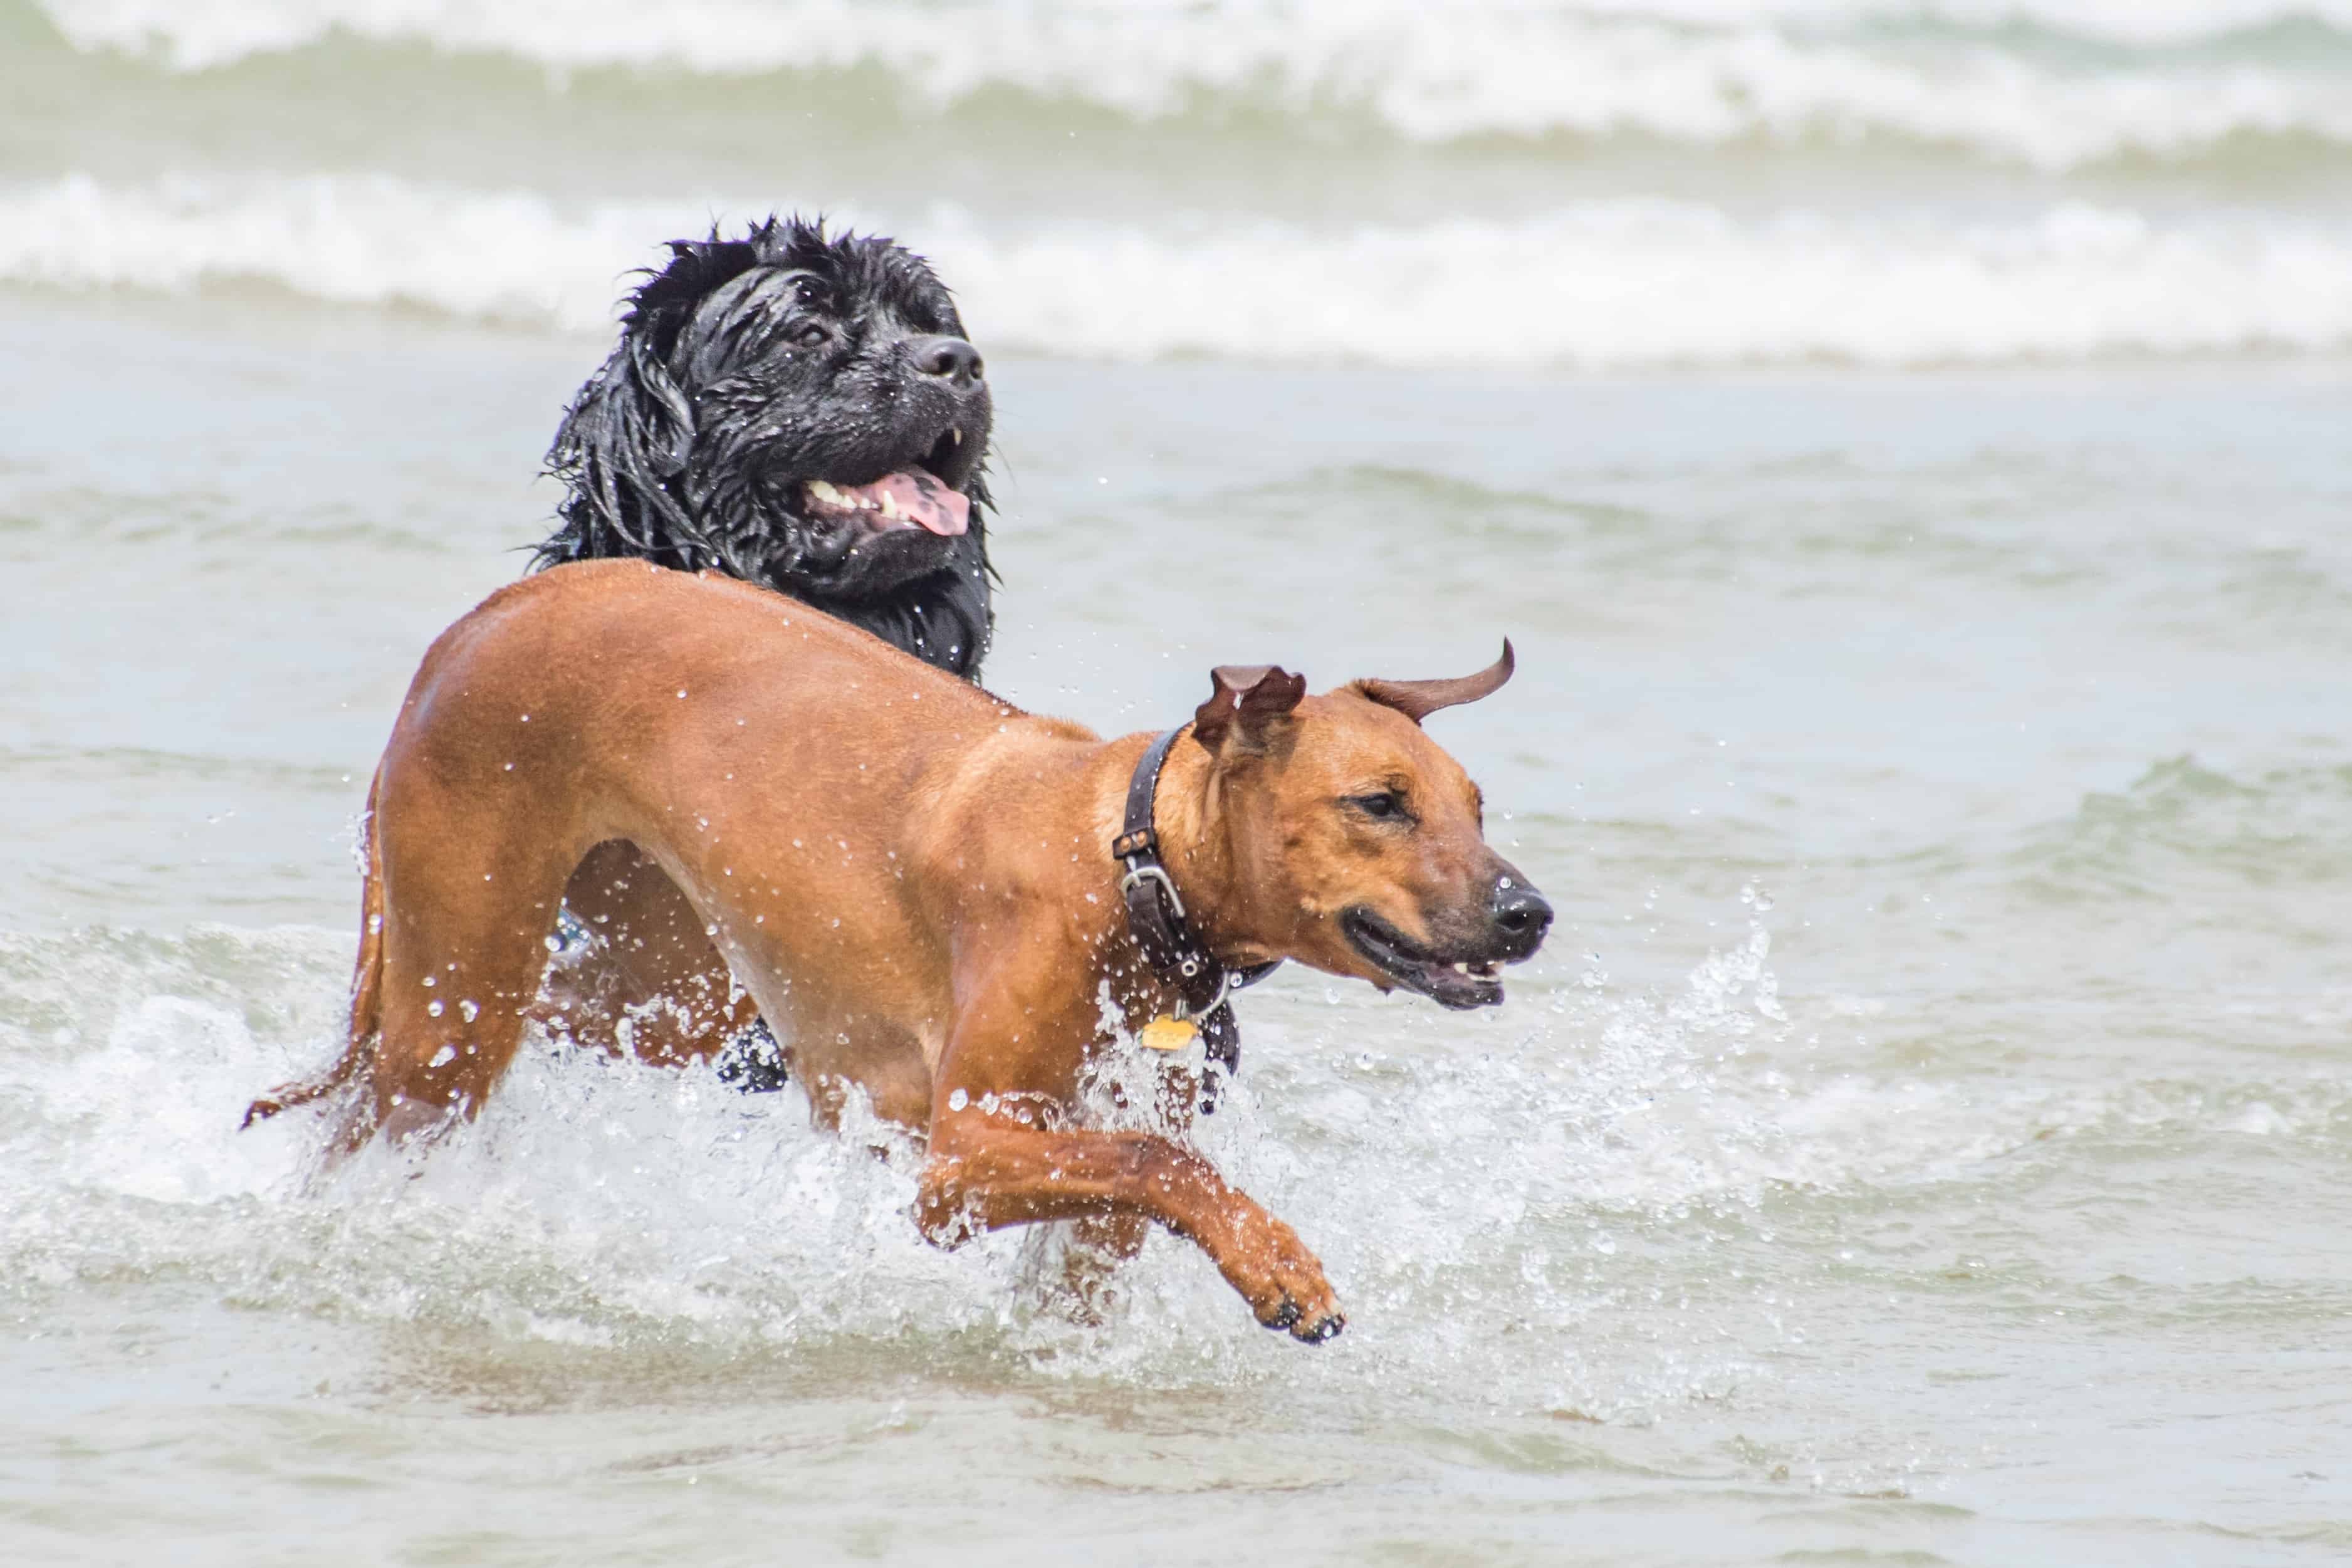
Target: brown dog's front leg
{"x":983,"y":1174}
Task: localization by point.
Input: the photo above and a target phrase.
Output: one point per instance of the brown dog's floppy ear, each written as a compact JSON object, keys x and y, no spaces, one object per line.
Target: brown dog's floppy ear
{"x":1248,"y":697}
{"x":1417,"y":699}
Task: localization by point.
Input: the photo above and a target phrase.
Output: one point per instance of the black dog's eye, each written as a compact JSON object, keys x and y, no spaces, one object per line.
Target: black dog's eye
{"x":1381,"y":806}
{"x":811,"y":336}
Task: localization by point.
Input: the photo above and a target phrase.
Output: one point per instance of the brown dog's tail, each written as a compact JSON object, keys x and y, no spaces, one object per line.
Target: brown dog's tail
{"x":367,"y":991}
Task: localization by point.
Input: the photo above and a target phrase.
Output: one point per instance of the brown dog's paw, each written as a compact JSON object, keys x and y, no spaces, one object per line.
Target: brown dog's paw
{"x":1308,"y":1330}
{"x":1285,"y":1285}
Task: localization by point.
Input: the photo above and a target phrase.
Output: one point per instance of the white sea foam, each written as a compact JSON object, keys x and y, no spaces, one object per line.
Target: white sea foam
{"x":1599,"y":284}
{"x":1689,"y":71}
{"x":596,"y":1195}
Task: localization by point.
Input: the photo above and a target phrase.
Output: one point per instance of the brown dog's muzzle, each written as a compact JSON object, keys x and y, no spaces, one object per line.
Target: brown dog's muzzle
{"x":1456,"y":966}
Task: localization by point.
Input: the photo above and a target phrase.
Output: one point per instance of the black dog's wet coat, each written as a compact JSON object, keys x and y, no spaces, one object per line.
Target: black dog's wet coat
{"x":746,"y":368}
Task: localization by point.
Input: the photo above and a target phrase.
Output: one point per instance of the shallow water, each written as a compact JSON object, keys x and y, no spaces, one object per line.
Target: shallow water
{"x":1927,"y":1132}
{"x":1926,"y":1139}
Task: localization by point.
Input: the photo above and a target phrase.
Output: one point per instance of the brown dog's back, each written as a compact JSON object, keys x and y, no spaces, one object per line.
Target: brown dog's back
{"x":690,"y":715}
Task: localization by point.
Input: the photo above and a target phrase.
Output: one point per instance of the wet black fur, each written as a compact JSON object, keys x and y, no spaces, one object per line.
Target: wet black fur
{"x":690,"y":446}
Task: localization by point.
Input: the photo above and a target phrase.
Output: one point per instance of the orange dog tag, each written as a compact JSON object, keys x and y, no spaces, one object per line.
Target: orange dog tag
{"x":1167,"y":1034}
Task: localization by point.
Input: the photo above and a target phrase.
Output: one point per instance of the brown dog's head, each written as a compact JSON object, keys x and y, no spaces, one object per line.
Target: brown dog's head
{"x":1357,"y":844}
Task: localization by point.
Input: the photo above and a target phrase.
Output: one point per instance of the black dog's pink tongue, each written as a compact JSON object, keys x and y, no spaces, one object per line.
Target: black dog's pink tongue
{"x":912,"y":496}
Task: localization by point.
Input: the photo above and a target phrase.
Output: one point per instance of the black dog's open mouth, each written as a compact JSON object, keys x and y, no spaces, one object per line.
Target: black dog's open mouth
{"x":913,"y":497}
{"x":1459,"y":983}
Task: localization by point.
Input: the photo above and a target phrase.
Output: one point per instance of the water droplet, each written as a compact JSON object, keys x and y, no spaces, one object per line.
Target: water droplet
{"x":468,"y":1011}
{"x":446,"y":1054}
{"x":434,"y":1008}
{"x":957,"y":1099}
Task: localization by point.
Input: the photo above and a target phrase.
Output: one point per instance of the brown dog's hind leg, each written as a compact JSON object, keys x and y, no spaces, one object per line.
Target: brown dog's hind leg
{"x":454,"y":1017}
{"x":466,"y":916}
{"x":652,"y":983}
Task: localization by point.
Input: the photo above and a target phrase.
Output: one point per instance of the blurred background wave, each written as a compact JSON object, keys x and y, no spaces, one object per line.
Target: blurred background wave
{"x":1645,"y":182}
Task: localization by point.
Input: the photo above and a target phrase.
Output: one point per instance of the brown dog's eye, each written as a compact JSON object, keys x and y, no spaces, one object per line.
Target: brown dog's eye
{"x":1381,"y":806}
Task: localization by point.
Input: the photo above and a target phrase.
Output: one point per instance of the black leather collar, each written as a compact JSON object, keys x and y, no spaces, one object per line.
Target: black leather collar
{"x":1155,"y":913}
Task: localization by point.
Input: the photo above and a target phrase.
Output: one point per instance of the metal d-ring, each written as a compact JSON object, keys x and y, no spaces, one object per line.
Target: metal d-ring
{"x":1152,"y":874}
{"x":1227,"y":984}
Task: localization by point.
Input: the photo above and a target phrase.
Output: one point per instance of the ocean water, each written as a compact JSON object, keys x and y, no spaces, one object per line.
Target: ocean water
{"x":1911,"y":447}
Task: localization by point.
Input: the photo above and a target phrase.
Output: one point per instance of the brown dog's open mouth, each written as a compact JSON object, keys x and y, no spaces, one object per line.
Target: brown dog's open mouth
{"x":911,"y":498}
{"x":1461,"y":983}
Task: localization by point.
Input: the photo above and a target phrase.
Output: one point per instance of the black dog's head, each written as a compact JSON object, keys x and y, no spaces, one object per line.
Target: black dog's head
{"x":801,"y":412}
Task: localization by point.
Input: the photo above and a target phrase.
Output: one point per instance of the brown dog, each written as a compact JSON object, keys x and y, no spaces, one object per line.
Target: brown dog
{"x":908,"y":876}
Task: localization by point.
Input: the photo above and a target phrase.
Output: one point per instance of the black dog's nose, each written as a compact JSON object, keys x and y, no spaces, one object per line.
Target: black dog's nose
{"x":951,"y":358}
{"x":1522,"y":914}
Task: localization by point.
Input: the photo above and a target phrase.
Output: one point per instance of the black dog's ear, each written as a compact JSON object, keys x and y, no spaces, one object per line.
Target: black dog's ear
{"x":666,"y":301}
{"x":624,"y":443}
{"x":1249,"y":700}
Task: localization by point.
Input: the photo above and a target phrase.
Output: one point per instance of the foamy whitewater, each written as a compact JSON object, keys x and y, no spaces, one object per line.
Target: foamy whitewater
{"x":1908,"y":445}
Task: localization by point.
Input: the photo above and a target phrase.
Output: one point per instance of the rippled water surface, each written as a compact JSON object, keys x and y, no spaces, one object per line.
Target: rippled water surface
{"x":1927,"y":1133}
{"x":1908,"y":445}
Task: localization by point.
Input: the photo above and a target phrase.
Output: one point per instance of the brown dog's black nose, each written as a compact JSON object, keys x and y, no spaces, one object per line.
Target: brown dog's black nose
{"x":951,"y":358}
{"x":1521,"y":916}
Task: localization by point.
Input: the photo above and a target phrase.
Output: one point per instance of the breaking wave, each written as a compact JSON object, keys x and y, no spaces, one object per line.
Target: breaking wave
{"x":2048,"y":84}
{"x":1601,"y":284}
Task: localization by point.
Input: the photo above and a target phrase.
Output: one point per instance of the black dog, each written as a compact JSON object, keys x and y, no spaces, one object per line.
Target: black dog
{"x":802,"y":412}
